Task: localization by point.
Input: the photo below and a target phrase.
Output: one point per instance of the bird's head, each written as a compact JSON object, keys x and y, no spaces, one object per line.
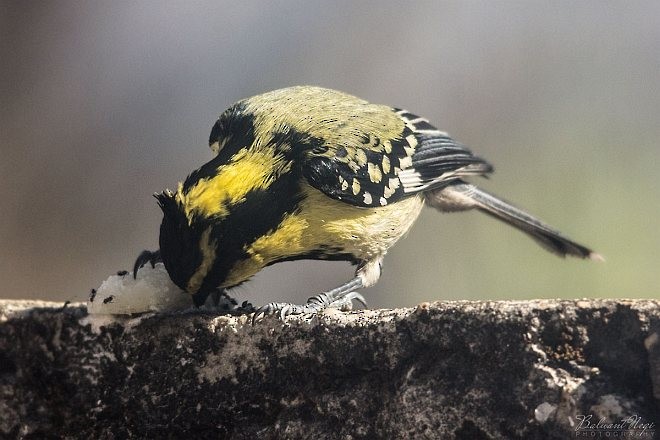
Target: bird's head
{"x":186,"y":246}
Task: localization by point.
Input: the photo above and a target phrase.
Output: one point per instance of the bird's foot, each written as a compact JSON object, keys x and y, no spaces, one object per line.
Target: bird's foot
{"x":221,"y":301}
{"x":151,"y":257}
{"x":314,"y":304}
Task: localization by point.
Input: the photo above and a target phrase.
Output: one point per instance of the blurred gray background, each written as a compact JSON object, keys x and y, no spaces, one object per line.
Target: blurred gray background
{"x":104,"y":103}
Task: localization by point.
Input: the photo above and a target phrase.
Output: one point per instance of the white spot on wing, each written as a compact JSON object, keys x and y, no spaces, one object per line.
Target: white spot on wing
{"x":412,"y":141}
{"x":405,"y":162}
{"x":412,"y":180}
{"x":437,"y":132}
{"x":375,"y":174}
{"x":344,"y":183}
{"x":355,"y":187}
{"x":386,"y":164}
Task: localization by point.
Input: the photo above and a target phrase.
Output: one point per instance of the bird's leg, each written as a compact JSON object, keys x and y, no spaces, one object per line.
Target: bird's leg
{"x":145,"y":257}
{"x":339,"y":297}
{"x":366,"y":275}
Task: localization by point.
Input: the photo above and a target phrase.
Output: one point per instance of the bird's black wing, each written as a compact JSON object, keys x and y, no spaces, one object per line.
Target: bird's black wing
{"x":374,"y":171}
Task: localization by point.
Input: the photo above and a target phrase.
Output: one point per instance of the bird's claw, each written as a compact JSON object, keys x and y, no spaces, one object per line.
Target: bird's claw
{"x":145,"y":257}
{"x":282,"y":309}
{"x":222,"y":301}
{"x":314,"y":305}
{"x":345,"y":303}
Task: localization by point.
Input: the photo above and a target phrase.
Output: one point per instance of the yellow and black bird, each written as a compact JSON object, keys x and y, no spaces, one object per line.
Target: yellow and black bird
{"x":312,"y":173}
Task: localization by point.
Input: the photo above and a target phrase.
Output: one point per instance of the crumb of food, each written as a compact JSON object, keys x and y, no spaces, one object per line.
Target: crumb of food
{"x":152,"y":291}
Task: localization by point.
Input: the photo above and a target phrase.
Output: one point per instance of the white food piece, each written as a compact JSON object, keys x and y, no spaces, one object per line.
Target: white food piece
{"x":152,"y":291}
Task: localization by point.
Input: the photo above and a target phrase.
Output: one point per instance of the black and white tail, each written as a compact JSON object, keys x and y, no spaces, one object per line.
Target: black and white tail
{"x":462,"y":196}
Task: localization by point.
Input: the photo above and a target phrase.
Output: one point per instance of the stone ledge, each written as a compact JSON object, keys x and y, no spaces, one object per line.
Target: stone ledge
{"x":451,"y":370}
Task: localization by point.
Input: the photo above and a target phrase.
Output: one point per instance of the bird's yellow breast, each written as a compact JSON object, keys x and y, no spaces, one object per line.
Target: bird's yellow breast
{"x":325,"y":223}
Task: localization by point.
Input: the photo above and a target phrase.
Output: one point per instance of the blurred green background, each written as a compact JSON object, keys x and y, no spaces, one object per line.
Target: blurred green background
{"x":104,"y":103}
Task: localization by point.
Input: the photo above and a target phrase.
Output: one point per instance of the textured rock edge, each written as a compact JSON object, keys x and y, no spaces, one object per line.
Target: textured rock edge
{"x":460,"y":369}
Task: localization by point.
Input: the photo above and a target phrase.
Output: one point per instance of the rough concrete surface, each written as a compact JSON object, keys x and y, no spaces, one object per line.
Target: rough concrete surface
{"x":450,"y":370}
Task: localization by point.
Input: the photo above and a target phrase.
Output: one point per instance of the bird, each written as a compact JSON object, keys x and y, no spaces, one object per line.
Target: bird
{"x":307,"y":172}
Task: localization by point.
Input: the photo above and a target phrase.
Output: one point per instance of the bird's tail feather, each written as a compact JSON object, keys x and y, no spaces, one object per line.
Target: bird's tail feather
{"x":469,"y":196}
